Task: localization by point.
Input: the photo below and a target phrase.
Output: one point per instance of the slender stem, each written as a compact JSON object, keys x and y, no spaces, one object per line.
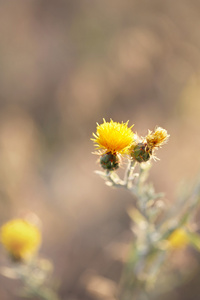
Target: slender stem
{"x":131,"y":285}
{"x":129,"y":172}
{"x":145,"y":259}
{"x":115,"y":182}
{"x":34,"y":287}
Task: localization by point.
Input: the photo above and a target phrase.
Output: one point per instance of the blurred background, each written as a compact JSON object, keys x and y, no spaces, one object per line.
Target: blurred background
{"x":66,"y":65}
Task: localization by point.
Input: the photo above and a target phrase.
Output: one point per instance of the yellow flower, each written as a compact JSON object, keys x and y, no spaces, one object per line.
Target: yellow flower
{"x":157,"y":138}
{"x":113,"y":137}
{"x":20,"y":238}
{"x":178,"y":239}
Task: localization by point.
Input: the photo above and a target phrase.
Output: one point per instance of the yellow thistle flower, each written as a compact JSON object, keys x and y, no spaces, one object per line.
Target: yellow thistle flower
{"x":157,"y":138}
{"x":113,"y":137}
{"x":178,"y":239}
{"x":20,"y":238}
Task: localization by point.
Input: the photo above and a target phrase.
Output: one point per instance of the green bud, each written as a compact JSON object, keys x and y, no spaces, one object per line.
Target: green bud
{"x":141,"y":153}
{"x":109,"y":161}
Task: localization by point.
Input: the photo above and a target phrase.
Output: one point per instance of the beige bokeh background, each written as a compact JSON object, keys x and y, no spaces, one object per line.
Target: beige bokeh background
{"x":65,"y":65}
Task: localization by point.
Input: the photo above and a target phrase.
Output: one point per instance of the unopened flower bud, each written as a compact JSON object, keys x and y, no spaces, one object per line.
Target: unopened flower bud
{"x":109,"y":161}
{"x":141,"y":152}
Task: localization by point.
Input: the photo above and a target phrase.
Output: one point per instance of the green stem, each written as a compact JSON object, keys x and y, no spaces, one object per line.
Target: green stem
{"x":34,"y":287}
{"x":129,"y":172}
{"x":132,"y":285}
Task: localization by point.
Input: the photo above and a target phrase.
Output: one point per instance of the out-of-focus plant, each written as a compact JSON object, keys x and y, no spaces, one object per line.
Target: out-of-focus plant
{"x":158,"y":231}
{"x":21,"y":240}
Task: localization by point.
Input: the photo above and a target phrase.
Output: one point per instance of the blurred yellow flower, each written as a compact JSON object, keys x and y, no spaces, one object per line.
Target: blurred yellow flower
{"x":113,"y":137}
{"x":157,"y":138}
{"x":178,"y":239}
{"x":20,"y":238}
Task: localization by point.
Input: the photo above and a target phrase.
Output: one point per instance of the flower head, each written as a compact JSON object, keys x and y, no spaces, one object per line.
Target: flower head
{"x":157,"y":138}
{"x":113,"y":137}
{"x":20,"y":238}
{"x":178,"y":239}
{"x":142,"y":148}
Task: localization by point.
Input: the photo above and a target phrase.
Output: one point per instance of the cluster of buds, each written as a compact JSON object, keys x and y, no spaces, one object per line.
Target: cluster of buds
{"x":143,"y":149}
{"x":114,"y":140}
